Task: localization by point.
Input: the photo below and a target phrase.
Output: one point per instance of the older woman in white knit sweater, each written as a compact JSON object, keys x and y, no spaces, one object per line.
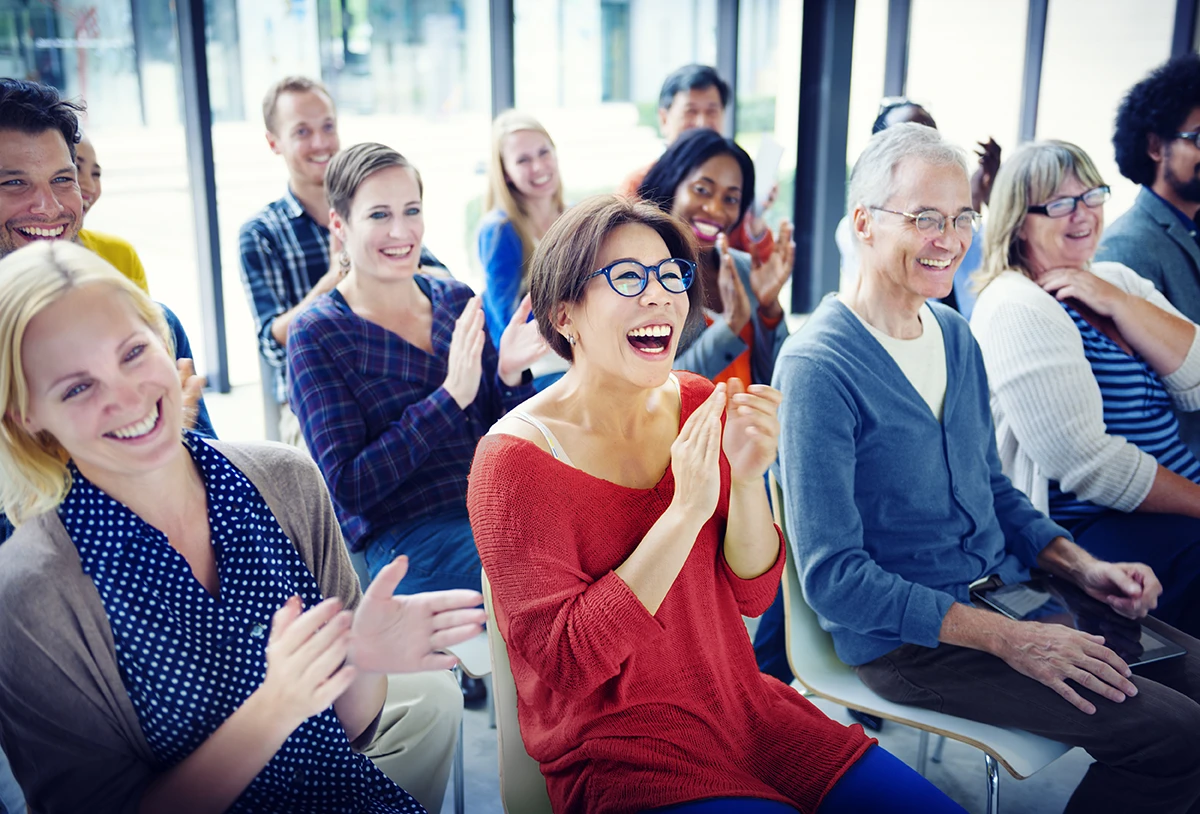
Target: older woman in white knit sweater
{"x":1086,"y":363}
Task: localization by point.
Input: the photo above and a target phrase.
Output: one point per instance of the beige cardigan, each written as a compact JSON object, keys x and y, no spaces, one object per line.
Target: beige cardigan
{"x":1046,"y":404}
{"x":66,"y":721}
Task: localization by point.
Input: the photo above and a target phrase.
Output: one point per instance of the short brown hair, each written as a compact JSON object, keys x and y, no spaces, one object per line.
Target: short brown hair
{"x":352,"y":166}
{"x":567,"y":255}
{"x":290,"y":84}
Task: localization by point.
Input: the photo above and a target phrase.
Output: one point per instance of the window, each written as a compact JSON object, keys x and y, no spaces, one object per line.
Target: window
{"x":1095,"y":51}
{"x":769,"y":88}
{"x":965,"y":67}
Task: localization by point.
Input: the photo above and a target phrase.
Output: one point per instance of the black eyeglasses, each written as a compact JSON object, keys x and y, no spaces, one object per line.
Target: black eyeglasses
{"x":1192,"y":136}
{"x":929,"y":221}
{"x":629,"y":277}
{"x":1061,"y":207}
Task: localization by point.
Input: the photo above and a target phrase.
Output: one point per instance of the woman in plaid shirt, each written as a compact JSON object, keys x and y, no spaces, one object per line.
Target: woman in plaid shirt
{"x":394,"y":378}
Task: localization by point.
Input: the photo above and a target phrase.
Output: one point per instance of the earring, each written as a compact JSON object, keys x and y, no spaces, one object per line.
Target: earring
{"x":344,"y":260}
{"x":571,"y":339}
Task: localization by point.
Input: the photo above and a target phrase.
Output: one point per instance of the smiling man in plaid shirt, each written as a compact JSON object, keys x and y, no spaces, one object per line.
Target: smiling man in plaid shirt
{"x":288,"y":257}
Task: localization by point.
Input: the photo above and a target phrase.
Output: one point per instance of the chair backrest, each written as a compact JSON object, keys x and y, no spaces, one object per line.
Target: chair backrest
{"x":522,"y":786}
{"x":809,"y":648}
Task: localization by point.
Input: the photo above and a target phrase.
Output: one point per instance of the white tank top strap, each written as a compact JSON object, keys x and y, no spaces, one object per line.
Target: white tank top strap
{"x":555,"y":447}
{"x":678,"y":388}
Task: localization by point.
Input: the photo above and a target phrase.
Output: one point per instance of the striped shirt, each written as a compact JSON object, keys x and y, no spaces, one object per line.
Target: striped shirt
{"x":284,"y":252}
{"x":1137,"y":406}
{"x":392,"y":443}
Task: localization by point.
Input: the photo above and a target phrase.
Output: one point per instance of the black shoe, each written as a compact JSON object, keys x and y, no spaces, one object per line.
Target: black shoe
{"x":871,"y":722}
{"x":474,"y":692}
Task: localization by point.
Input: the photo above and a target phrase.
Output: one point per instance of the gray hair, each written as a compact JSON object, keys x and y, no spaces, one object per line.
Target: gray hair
{"x":873,"y":173}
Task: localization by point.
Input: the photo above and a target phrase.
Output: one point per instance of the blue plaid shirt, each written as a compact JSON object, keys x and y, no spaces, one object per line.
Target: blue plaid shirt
{"x":284,"y":253}
{"x":393,"y":445}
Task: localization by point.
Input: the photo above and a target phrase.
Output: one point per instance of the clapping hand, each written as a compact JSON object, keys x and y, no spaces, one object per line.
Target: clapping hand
{"x":193,"y":390}
{"x":306,"y":655}
{"x":521,"y":344}
{"x":985,"y":175}
{"x":404,"y":634}
{"x":735,"y":305}
{"x":768,"y":278}
{"x":751,"y":439}
{"x":696,"y":458}
{"x":464,"y":365}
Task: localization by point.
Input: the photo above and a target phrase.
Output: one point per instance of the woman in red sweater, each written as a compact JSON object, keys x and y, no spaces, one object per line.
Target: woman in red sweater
{"x":621,"y":519}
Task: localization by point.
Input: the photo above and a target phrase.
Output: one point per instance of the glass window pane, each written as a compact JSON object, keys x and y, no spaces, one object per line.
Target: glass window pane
{"x":769,"y":88}
{"x":1095,"y":51}
{"x":966,"y":68}
{"x":866,"y":74}
{"x":590,"y":72}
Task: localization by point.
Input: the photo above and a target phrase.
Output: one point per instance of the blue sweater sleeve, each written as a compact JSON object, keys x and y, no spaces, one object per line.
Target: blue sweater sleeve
{"x":841,"y":580}
{"x":183,"y":350}
{"x":501,"y":255}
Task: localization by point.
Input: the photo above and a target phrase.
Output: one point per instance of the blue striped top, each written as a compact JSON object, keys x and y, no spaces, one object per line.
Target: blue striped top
{"x":1137,"y":406}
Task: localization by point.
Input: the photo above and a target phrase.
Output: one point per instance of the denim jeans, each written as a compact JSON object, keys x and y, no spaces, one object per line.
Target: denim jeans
{"x":441,"y":553}
{"x":12,"y":800}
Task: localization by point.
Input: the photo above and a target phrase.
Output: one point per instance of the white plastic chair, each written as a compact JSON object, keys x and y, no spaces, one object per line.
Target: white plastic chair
{"x":473,"y":661}
{"x":522,"y":786}
{"x":816,"y":665}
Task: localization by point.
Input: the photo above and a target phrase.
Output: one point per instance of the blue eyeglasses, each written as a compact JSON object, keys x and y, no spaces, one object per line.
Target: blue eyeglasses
{"x":629,"y":277}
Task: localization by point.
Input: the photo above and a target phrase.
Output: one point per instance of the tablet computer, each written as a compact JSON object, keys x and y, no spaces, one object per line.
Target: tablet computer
{"x":1056,"y":601}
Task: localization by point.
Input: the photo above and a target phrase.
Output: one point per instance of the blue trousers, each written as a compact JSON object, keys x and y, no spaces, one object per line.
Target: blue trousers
{"x":1168,"y":543}
{"x":441,"y":553}
{"x":770,"y":642}
{"x":878,"y":781}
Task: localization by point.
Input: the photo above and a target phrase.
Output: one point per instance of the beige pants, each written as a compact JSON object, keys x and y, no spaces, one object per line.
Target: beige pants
{"x":417,"y":734}
{"x":289,"y":428}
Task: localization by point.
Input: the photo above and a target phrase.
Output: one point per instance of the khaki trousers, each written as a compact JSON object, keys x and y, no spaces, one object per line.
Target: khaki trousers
{"x":289,"y":428}
{"x":418,"y":730}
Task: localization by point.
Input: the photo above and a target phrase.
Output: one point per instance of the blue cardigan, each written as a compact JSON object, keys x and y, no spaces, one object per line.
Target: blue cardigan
{"x":503,"y":262}
{"x":891,"y":513}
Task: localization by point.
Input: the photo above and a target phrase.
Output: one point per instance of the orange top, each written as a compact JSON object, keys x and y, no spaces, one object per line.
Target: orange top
{"x":740,"y":366}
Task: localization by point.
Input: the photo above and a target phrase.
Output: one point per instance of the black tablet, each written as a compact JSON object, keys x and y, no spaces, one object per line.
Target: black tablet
{"x":1057,"y":601}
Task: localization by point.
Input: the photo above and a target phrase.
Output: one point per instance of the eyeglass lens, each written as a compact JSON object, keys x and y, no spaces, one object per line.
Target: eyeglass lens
{"x":1065,"y":206}
{"x":630,"y":278}
{"x":933,"y":221}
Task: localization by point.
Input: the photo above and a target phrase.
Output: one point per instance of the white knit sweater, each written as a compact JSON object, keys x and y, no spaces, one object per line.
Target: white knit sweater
{"x":1046,"y":403}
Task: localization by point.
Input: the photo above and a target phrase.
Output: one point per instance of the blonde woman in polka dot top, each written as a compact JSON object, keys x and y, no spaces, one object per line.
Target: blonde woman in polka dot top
{"x":182,"y":629}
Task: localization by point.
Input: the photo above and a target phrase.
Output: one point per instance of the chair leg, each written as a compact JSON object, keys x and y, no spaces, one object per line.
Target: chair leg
{"x":993,"y":784}
{"x":487,"y":680}
{"x":460,"y":804}
{"x":936,"y":757}
{"x":922,"y":752}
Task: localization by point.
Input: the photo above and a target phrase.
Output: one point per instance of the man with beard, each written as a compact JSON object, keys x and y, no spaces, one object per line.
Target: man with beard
{"x":1157,"y":141}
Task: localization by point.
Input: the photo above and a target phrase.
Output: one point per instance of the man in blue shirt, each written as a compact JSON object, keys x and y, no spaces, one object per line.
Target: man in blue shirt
{"x":896,"y":504}
{"x":288,"y":256}
{"x":1156,"y":137}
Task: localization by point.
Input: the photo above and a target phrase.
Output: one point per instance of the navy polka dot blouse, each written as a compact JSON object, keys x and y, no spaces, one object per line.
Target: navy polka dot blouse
{"x":188,"y":660}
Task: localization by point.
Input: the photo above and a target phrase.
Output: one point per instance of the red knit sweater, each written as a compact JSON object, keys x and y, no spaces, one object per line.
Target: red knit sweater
{"x":627,"y":710}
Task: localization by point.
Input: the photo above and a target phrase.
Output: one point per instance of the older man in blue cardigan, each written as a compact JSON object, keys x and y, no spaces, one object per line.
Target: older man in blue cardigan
{"x":896,"y":503}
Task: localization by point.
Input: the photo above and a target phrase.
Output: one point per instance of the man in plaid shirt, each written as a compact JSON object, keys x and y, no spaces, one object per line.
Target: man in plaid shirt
{"x":288,"y":256}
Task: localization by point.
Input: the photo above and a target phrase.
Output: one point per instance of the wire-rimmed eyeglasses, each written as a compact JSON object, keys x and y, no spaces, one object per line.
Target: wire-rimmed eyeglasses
{"x":629,"y":277}
{"x":930,"y":221}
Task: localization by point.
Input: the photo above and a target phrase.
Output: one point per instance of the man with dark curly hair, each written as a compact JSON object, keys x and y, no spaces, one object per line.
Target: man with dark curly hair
{"x":1157,"y":142}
